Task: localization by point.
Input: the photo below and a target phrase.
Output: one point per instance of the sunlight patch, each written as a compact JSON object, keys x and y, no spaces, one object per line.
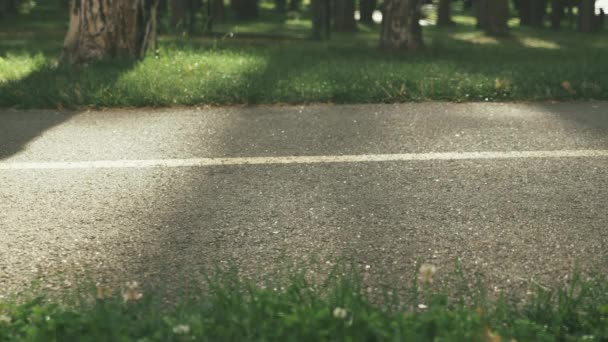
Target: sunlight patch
{"x":475,"y":38}
{"x":538,"y":43}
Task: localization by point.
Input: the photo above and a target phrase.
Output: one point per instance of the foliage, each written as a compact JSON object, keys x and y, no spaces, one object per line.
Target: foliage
{"x":271,"y":61}
{"x":231,"y":309}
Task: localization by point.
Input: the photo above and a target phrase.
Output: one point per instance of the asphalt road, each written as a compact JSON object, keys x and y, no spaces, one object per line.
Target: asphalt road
{"x":70,"y":204}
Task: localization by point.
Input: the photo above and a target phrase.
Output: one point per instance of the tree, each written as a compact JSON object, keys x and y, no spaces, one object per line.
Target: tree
{"x":586,"y":16}
{"x":492,"y":16}
{"x":444,"y":13}
{"x":321,"y":19}
{"x":183,"y":14}
{"x":557,"y":13}
{"x":179,"y":10}
{"x":280,"y":5}
{"x":8,"y":7}
{"x":218,"y":11}
{"x":344,"y":16}
{"x":400,"y":27}
{"x":101,"y":29}
{"x":531,"y":12}
{"x":366,"y":10}
{"x":294,"y":5}
{"x":245,"y":9}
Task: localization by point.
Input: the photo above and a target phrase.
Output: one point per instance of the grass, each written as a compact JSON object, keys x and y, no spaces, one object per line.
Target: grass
{"x":458,"y":64}
{"x":231,"y":309}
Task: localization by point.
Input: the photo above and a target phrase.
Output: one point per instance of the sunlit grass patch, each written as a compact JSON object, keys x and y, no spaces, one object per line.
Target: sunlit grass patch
{"x":272,"y":61}
{"x":18,"y":66}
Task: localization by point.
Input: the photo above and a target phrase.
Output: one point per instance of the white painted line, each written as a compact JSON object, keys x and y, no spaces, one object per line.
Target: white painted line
{"x":198,"y":162}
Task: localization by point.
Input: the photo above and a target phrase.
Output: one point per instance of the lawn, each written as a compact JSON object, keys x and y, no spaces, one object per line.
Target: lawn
{"x":272,"y":61}
{"x":340,"y":309}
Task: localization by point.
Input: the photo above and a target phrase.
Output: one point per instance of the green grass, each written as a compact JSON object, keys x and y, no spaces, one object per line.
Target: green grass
{"x":458,"y":64}
{"x":230,"y":309}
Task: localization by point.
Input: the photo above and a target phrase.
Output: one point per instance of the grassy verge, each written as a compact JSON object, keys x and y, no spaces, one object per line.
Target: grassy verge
{"x":458,"y":64}
{"x":341,"y":310}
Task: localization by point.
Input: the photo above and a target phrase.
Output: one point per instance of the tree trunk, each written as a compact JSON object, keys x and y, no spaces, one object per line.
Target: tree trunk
{"x":179,"y":10}
{"x":366,"y":10}
{"x":280,"y":5}
{"x":218,"y":11}
{"x":586,"y":16}
{"x":557,"y":13}
{"x":321,"y":19}
{"x":294,"y":5}
{"x":400,"y":27}
{"x":538,"y":12}
{"x":492,"y":16}
{"x":344,"y":16}
{"x":245,"y":9}
{"x":8,"y":7}
{"x":101,"y":29}
{"x":444,"y":13}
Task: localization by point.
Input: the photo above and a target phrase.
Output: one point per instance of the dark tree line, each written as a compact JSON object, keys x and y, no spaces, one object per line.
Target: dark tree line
{"x":118,"y":28}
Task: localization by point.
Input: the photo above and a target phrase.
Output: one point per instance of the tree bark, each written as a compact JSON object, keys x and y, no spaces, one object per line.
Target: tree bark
{"x":366,"y":11}
{"x":557,"y":13}
{"x":218,"y":11}
{"x":321,"y":19}
{"x":179,"y":10}
{"x":400,"y":27}
{"x":294,"y":5}
{"x":344,"y":16}
{"x":586,"y":16}
{"x":280,"y":5}
{"x":493,"y":16}
{"x":444,"y":13}
{"x":245,"y":9}
{"x":531,"y":12}
{"x":8,"y":7}
{"x":101,"y":29}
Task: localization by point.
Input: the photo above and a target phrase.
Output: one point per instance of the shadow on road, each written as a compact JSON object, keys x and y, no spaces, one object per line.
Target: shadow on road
{"x":516,"y":221}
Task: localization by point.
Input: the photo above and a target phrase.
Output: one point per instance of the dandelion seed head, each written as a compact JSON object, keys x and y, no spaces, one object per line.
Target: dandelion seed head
{"x":340,"y":313}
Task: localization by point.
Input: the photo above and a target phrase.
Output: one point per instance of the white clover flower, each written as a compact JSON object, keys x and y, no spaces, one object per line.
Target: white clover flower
{"x":5,"y":319}
{"x":181,"y":329}
{"x":131,"y":293}
{"x":340,"y":313}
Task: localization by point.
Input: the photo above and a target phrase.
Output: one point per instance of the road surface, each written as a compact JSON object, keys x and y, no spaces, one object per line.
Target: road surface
{"x":518,"y":192}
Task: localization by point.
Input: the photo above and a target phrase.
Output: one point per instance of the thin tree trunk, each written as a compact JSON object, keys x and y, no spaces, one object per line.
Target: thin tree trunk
{"x":366,"y":10}
{"x":586,"y":16}
{"x":280,"y":5}
{"x":492,"y":16}
{"x":179,"y":9}
{"x":400,"y":27}
{"x":344,"y":16}
{"x":101,"y":29}
{"x":294,"y":5}
{"x":8,"y":7}
{"x":245,"y":9}
{"x":218,"y":11}
{"x":557,"y":13}
{"x":444,"y":13}
{"x":537,"y":10}
{"x":321,"y":19}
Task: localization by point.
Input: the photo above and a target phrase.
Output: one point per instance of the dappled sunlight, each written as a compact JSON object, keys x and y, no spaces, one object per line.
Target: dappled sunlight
{"x":538,"y":43}
{"x":476,"y":37}
{"x":194,"y":76}
{"x":14,"y":66}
